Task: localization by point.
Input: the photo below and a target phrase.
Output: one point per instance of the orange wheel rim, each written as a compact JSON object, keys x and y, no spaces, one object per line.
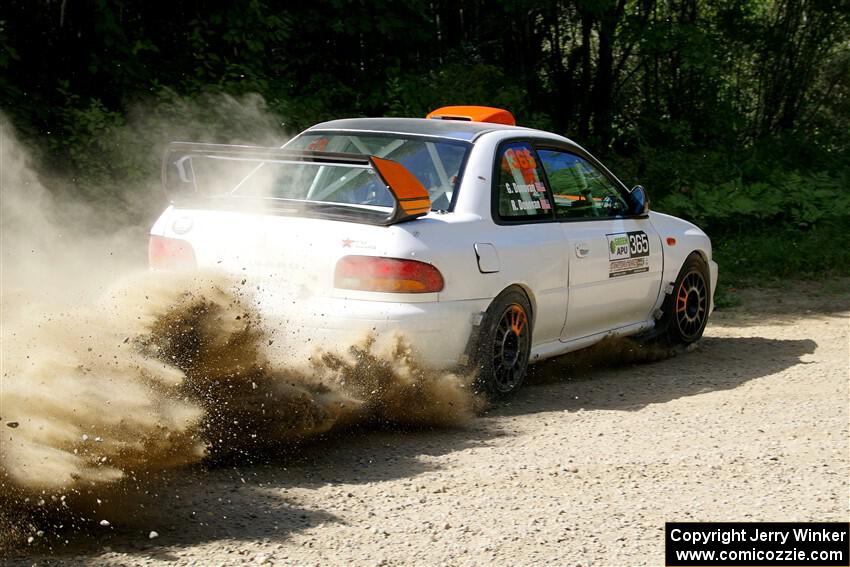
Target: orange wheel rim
{"x":510,"y":348}
{"x":518,"y":319}
{"x":692,"y":305}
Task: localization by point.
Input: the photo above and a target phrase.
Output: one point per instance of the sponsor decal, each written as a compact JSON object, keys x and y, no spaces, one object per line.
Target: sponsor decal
{"x":351,"y":243}
{"x":628,"y":253}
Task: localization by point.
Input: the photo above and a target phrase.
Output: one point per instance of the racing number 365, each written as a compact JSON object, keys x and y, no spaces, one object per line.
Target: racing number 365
{"x":638,"y":243}
{"x":521,"y":159}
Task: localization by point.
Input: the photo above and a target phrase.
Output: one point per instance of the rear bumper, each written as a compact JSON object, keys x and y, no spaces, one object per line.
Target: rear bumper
{"x":438,"y":332}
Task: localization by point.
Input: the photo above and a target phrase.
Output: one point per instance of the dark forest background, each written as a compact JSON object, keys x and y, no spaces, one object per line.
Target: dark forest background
{"x":734,"y":114}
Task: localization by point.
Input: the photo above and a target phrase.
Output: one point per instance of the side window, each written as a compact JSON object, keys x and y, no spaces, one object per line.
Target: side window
{"x":579,"y":189}
{"x":520,"y":190}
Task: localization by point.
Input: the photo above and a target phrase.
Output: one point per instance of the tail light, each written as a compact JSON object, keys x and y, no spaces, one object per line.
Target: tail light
{"x":170,"y":254}
{"x":390,"y":275}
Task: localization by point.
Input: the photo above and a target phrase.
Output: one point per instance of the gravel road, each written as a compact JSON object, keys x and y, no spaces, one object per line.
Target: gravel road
{"x":583,"y":467}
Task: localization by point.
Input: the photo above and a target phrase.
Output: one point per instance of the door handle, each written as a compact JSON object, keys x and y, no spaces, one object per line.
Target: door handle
{"x":582,"y":249}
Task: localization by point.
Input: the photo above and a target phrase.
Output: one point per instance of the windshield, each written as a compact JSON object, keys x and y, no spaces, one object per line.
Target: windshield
{"x":435,"y":163}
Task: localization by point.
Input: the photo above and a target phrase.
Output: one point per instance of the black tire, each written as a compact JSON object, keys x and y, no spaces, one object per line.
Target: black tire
{"x":504,"y":344}
{"x":686,"y":309}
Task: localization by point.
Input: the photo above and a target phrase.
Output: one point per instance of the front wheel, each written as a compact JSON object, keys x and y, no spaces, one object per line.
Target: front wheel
{"x":504,"y":344}
{"x":686,"y":309}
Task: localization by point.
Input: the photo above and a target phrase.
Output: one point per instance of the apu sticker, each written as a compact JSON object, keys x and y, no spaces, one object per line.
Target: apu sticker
{"x":628,"y":253}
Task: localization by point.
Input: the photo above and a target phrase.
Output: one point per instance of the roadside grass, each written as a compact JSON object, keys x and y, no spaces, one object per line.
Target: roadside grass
{"x":780,"y":257}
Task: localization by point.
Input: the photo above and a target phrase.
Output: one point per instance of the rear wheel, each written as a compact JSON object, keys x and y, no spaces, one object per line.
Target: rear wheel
{"x":504,"y":344}
{"x":686,"y":309}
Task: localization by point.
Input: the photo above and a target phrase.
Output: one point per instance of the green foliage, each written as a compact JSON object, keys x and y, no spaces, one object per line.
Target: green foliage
{"x":7,"y":51}
{"x":734,"y":114}
{"x":764,"y":255}
{"x":112,"y":157}
{"x":230,"y":47}
{"x":471,"y":82}
{"x":788,"y":200}
{"x":94,"y":141}
{"x":725,"y":298}
{"x":8,"y":55}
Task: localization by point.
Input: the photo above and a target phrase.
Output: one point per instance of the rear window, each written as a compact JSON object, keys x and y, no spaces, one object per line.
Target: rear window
{"x":435,"y":163}
{"x":344,"y":184}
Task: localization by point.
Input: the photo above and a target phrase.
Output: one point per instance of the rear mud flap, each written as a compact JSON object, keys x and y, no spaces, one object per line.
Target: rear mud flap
{"x":468,"y":357}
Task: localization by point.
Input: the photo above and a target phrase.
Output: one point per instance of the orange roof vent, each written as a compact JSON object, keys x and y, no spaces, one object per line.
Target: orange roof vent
{"x":474,"y":114}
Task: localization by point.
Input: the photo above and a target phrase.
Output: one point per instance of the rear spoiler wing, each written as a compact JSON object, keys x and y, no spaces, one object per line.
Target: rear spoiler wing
{"x":411,"y":199}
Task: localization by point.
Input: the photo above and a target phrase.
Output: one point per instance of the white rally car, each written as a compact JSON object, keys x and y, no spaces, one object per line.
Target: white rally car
{"x":489,"y":246}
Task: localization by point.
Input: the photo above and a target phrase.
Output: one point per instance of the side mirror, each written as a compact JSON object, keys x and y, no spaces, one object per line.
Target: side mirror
{"x":640,"y":200}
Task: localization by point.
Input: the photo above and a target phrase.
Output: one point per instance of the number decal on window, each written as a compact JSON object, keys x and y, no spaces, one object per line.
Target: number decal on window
{"x":521,"y":159}
{"x":318,"y":145}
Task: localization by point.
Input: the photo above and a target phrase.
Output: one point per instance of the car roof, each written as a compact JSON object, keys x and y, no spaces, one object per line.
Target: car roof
{"x":453,"y":129}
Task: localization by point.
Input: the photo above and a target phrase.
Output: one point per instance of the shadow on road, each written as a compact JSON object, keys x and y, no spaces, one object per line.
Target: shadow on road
{"x":242,"y":502}
{"x":599,"y":379}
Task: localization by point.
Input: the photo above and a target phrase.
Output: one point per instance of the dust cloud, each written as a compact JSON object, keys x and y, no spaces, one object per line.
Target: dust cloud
{"x":112,"y":375}
{"x":171,"y":368}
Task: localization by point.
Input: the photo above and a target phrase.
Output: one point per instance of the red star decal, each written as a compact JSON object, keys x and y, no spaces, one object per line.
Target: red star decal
{"x":346,"y":243}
